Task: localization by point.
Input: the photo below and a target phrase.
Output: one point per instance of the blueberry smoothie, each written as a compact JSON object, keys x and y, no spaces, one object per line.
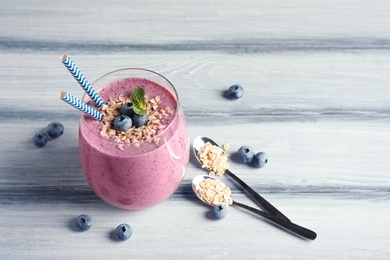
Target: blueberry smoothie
{"x":143,"y":166}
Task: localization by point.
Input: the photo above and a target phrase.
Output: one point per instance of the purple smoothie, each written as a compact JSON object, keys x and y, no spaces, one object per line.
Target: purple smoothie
{"x":141,"y":176}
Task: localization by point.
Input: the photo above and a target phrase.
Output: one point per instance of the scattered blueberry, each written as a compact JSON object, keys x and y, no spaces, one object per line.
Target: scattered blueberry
{"x":84,"y":222}
{"x":127,"y":109}
{"x":260,"y":159}
{"x":123,"y":232}
{"x":55,"y":129}
{"x":123,"y":123}
{"x":246,"y":154}
{"x":139,"y":120}
{"x":219,"y":211}
{"x":235,"y":91}
{"x":40,"y":139}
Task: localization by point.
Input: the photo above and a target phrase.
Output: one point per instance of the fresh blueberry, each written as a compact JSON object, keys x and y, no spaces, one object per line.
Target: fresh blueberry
{"x":123,"y":232}
{"x":235,"y":91}
{"x":219,"y":211}
{"x":123,"y":123}
{"x":260,"y":159}
{"x":84,"y":222}
{"x":139,"y":120}
{"x":127,"y":109}
{"x":246,"y":154}
{"x":55,"y":129}
{"x":40,"y":139}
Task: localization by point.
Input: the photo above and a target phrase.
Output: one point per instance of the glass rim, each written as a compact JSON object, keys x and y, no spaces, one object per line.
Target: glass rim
{"x":135,"y":69}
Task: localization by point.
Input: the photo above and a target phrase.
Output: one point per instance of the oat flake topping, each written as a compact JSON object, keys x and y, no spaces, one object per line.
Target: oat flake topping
{"x":149,"y":132}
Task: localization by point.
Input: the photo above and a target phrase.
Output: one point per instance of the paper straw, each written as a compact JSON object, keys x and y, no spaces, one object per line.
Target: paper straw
{"x":65,"y":96}
{"x":84,"y":83}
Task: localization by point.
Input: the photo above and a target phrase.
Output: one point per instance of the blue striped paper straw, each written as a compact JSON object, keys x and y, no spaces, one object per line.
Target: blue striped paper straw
{"x":84,"y":83}
{"x":77,"y":103}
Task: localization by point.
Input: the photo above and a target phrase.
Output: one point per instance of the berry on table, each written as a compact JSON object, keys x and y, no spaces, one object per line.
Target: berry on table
{"x":123,"y":232}
{"x":260,"y":160}
{"x":84,"y":222}
{"x":235,"y":91}
{"x":123,"y":123}
{"x":40,"y":139}
{"x":139,"y":120}
{"x":219,"y":211}
{"x":55,"y":129}
{"x":246,"y":154}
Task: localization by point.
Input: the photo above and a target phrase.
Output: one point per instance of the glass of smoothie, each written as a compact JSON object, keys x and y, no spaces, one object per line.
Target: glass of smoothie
{"x":142,"y":166}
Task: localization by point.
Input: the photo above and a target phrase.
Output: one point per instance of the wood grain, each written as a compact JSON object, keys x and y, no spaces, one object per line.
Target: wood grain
{"x":316,"y":83}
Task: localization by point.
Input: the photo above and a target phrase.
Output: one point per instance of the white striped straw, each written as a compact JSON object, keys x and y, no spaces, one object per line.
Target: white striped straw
{"x":65,"y":96}
{"x":84,"y":83}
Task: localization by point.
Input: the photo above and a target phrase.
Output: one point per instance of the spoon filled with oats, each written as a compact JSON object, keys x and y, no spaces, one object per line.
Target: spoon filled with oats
{"x":213,"y":158}
{"x":214,"y":192}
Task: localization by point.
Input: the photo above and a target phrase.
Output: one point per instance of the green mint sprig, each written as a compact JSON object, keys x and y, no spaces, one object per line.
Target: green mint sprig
{"x":138,"y":98}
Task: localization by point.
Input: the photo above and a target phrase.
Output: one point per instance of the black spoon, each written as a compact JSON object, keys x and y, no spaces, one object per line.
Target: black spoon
{"x":285,"y":224}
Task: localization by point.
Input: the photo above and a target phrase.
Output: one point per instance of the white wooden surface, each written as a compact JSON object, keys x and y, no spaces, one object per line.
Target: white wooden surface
{"x":316,"y":78}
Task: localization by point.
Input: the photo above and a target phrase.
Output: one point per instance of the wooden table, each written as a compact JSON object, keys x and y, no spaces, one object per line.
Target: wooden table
{"x":316,"y":80}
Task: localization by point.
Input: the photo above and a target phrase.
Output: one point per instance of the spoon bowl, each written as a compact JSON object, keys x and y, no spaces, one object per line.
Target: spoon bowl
{"x":285,"y":224}
{"x":199,"y":142}
{"x":195,"y":182}
{"x":263,"y":203}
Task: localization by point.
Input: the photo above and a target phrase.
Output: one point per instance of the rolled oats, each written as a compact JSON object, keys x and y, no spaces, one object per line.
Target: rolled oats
{"x":148,"y":132}
{"x":213,"y":158}
{"x":225,"y":147}
{"x":214,"y":192}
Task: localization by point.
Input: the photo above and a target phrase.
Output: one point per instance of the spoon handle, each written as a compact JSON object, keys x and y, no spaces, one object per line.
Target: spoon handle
{"x":257,"y":198}
{"x":288,"y":225}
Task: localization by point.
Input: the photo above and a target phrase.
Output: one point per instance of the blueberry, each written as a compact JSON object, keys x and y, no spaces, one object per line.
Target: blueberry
{"x":123,"y":123}
{"x":219,"y":211}
{"x":123,"y":232}
{"x":235,"y":91}
{"x":139,"y":120}
{"x":246,"y":154}
{"x":55,"y":129}
{"x":260,"y":159}
{"x":84,"y":222}
{"x":127,"y":109}
{"x":40,"y":139}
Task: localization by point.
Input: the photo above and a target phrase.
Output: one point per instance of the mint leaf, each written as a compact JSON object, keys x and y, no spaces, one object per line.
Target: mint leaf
{"x":138,"y":98}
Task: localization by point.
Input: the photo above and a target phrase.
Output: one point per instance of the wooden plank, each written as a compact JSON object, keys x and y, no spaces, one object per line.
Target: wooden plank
{"x":171,"y":21}
{"x":281,"y":86}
